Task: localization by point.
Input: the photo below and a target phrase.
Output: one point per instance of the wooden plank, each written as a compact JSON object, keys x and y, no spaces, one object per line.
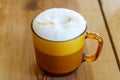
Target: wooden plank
{"x":17,"y":60}
{"x":112,"y":14}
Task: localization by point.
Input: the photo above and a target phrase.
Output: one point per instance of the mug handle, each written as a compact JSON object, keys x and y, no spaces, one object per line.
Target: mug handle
{"x":92,"y":35}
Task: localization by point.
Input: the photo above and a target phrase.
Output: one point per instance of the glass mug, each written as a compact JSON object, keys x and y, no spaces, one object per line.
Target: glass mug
{"x":62,"y":57}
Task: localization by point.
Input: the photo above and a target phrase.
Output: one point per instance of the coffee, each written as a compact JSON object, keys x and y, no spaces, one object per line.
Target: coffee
{"x":58,"y":64}
{"x":59,"y":37}
{"x":54,"y":25}
{"x":59,"y":24}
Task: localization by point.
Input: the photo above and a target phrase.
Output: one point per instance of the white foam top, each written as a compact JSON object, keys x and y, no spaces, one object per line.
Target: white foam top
{"x":59,"y":24}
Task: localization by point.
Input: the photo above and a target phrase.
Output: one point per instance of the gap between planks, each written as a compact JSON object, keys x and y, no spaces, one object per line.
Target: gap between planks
{"x":109,"y":33}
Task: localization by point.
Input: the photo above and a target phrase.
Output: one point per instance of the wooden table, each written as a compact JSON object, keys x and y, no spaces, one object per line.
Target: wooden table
{"x":17,"y":55}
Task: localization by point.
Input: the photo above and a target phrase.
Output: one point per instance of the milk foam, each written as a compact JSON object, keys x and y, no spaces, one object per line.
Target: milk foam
{"x":59,"y":24}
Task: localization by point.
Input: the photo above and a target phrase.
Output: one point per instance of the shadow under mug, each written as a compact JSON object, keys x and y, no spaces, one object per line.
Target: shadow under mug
{"x":62,"y":57}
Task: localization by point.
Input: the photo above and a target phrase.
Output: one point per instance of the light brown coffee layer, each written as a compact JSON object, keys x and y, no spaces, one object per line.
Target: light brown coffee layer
{"x":59,"y":64}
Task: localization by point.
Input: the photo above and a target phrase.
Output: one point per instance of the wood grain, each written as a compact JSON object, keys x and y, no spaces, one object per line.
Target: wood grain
{"x":112,"y":15}
{"x":17,"y":59}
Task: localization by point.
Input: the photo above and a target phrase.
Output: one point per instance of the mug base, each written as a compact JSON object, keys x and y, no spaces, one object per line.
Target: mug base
{"x":57,"y":74}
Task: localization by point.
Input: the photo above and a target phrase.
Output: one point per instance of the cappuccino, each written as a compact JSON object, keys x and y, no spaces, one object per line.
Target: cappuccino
{"x":68,"y":27}
{"x":59,"y":24}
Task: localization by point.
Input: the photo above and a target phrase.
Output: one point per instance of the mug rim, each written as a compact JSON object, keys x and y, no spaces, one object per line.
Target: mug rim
{"x":57,"y":41}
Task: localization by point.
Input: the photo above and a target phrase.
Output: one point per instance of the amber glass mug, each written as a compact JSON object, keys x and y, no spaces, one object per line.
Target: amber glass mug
{"x":61,"y":57}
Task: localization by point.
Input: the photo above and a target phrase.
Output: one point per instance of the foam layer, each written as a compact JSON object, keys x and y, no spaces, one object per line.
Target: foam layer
{"x":59,"y":24}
